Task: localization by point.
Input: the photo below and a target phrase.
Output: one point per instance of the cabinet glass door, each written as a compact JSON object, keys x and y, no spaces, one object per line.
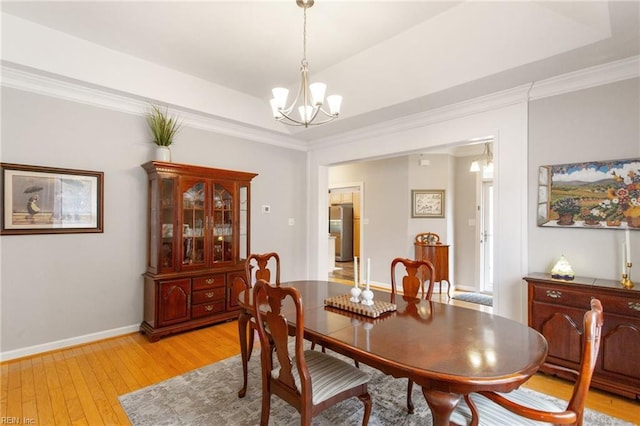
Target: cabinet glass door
{"x":243,"y":223}
{"x":193,"y":224}
{"x":167,"y":219}
{"x":222,"y":222}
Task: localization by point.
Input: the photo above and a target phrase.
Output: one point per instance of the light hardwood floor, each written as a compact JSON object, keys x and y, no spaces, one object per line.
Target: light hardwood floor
{"x":80,"y":385}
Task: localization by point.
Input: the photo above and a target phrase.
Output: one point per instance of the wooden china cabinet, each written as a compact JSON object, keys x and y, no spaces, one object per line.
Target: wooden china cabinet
{"x":198,"y":239}
{"x":556,"y":309}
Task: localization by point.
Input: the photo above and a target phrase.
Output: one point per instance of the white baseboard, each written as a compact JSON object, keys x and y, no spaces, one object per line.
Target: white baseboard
{"x":65,"y":343}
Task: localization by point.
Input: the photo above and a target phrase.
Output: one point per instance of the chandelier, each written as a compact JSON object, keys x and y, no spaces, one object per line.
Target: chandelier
{"x":486,"y":159}
{"x":310,"y":97}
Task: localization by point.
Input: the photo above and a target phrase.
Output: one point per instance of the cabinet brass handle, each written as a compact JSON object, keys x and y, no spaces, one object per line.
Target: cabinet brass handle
{"x":208,"y":308}
{"x":554,"y":294}
{"x":210,"y":281}
{"x":209,"y":295}
{"x":634,"y":305}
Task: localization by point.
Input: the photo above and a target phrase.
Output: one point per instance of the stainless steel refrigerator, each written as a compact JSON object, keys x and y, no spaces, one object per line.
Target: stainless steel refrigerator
{"x":341,"y":227}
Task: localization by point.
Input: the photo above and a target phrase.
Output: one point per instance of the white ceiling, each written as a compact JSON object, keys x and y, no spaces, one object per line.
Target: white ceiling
{"x":387,"y":58}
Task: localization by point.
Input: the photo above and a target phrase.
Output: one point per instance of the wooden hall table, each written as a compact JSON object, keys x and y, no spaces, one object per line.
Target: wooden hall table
{"x":448,"y":350}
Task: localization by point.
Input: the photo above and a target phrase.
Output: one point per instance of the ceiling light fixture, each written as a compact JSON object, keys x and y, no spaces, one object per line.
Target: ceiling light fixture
{"x":310,"y":97}
{"x":486,"y":159}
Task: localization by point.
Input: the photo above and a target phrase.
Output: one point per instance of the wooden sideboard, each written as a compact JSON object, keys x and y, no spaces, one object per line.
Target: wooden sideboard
{"x":556,"y":309}
{"x":438,"y":254}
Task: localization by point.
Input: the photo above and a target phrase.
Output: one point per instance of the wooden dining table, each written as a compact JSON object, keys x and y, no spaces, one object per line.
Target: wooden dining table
{"x":448,"y":350}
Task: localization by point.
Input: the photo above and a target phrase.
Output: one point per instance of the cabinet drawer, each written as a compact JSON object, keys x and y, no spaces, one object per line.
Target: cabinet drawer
{"x":205,"y":309}
{"x":204,"y":296}
{"x":579,"y":298}
{"x":210,"y":281}
{"x":560,"y":295}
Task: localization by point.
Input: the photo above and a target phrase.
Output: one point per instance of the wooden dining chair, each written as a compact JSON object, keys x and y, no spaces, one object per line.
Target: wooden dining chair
{"x":309,"y":380}
{"x":412,"y":282}
{"x":259,"y":267}
{"x":481,"y":409}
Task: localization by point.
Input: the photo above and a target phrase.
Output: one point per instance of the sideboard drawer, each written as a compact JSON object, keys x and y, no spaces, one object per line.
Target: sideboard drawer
{"x":204,"y":296}
{"x":205,"y":309}
{"x":562,"y":296}
{"x":580,"y":298}
{"x":210,"y":281}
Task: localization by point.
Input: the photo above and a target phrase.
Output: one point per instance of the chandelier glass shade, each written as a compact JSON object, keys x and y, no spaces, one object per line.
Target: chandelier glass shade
{"x":484,"y":162}
{"x":308,"y":103}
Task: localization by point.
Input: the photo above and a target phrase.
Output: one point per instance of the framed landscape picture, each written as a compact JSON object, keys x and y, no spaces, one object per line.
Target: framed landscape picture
{"x":47,"y":200}
{"x":426,"y":203}
{"x":595,"y":194}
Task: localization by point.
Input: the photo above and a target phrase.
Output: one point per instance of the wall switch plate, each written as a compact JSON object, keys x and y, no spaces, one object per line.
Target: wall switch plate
{"x":292,"y":221}
{"x":266,"y":209}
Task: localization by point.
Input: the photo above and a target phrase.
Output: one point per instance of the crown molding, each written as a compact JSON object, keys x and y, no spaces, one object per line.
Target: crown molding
{"x":16,"y":77}
{"x":463,"y":109}
{"x":586,"y":78}
{"x":61,"y":88}
{"x":583,"y":79}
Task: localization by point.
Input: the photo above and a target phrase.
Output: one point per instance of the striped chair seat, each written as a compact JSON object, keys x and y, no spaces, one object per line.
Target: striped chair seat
{"x":492,"y":414}
{"x":329,"y":375}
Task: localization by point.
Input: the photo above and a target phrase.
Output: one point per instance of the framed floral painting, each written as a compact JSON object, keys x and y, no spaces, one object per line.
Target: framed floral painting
{"x":595,"y":194}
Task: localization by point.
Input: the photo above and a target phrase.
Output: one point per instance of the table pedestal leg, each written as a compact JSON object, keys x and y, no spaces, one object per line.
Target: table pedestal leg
{"x":441,"y":405}
{"x":243,"y":322}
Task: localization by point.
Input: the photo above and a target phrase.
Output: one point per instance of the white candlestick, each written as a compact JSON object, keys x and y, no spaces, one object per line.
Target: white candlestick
{"x":355,"y":271}
{"x":624,"y":261}
{"x":628,"y":245}
{"x":368,"y":271}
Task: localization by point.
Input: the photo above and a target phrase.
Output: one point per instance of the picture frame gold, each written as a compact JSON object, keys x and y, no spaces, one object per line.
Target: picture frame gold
{"x":427,"y":203}
{"x":50,"y":200}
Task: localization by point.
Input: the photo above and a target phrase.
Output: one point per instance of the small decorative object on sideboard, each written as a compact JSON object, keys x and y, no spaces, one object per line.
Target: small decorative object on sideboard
{"x":562,"y":270}
{"x":163,"y":128}
{"x":626,"y":262}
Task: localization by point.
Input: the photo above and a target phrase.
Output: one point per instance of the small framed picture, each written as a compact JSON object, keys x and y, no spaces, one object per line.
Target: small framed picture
{"x":427,"y":203}
{"x":47,"y":200}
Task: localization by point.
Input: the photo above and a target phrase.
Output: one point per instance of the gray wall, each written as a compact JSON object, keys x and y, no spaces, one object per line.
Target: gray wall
{"x":63,"y":287}
{"x":600,"y":123}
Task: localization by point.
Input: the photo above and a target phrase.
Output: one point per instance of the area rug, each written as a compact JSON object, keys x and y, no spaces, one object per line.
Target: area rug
{"x":482,"y":299}
{"x":209,"y":396}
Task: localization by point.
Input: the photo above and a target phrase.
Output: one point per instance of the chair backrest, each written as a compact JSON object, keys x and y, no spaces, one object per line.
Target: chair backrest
{"x":262,"y":267}
{"x":412,"y":281}
{"x":427,"y":238}
{"x":292,"y":383}
{"x":592,"y":323}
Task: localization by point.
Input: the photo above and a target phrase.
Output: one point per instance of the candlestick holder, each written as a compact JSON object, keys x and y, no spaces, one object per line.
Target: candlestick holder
{"x":367,"y":297}
{"x":355,"y":294}
{"x":626,"y":278}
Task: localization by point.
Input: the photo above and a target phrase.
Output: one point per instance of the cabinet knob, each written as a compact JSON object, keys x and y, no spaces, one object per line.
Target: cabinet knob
{"x":554,"y":294}
{"x":208,"y":308}
{"x":210,"y":281}
{"x":209,"y":294}
{"x":634,"y":305}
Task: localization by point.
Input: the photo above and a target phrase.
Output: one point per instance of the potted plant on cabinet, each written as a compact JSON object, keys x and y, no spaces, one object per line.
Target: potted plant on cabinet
{"x":163,"y":129}
{"x":566,"y":208}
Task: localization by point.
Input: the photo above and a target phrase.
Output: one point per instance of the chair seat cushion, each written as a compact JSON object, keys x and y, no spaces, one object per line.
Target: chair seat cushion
{"x":492,"y":414}
{"x":329,"y":375}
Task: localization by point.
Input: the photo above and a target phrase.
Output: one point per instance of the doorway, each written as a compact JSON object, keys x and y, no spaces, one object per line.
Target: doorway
{"x":346,"y":195}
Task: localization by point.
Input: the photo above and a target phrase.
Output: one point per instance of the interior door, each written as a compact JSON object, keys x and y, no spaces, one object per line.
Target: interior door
{"x":486,"y":242}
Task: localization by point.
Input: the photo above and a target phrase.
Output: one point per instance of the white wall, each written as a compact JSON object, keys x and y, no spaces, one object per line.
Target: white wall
{"x":64,"y":289}
{"x":600,"y":123}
